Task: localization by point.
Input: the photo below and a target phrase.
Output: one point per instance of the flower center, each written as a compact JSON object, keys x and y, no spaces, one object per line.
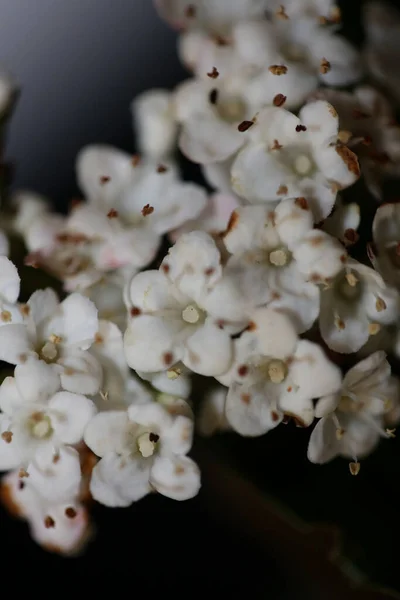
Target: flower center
{"x":40,"y":425}
{"x":232,"y":110}
{"x":303,"y":165}
{"x":277,"y":371}
{"x":279,"y":257}
{"x":147,"y":444}
{"x":191,"y":314}
{"x":49,"y":350}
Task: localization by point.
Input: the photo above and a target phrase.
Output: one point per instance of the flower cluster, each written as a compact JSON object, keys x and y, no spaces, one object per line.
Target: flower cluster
{"x":265,"y":287}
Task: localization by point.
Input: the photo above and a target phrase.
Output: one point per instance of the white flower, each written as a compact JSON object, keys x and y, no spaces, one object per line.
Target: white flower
{"x":213,"y":219}
{"x":382,"y":28}
{"x":59,"y":334}
{"x":280,"y":258}
{"x":183,"y":311}
{"x":385,"y":250}
{"x":61,"y":527}
{"x":275,"y":373}
{"x":355,"y":305}
{"x":142,"y":449}
{"x":353,"y":419}
{"x":211,"y":418}
{"x":37,"y":418}
{"x":9,"y":292}
{"x":289,"y":157}
{"x":368,"y":126}
{"x":155,"y":123}
{"x":175,"y":381}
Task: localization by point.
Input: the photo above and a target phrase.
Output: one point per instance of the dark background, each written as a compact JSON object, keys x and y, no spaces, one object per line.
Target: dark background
{"x":80,"y":63}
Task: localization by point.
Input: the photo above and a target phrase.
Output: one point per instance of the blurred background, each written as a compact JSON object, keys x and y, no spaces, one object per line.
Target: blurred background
{"x":79,"y":64}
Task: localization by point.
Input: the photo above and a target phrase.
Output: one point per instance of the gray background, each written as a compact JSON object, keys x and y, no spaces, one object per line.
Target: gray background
{"x":79,"y":64}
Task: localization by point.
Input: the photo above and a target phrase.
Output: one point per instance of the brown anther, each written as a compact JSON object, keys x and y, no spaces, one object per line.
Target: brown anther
{"x":359,"y":114}
{"x":349,"y":159}
{"x":98,"y":339}
{"x":301,"y":128}
{"x":75,"y":202}
{"x":351,"y":279}
{"x":213,"y":96}
{"x":391,"y":433}
{"x":325,"y":66}
{"x":232,"y":223}
{"x":344,"y":136}
{"x":23,"y":473}
{"x":278,"y":69}
{"x":281,"y":13}
{"x":21,"y":485}
{"x":56,"y":458}
{"x":104,"y":179}
{"x":282,"y":190}
{"x":251,"y":326}
{"x":367,"y":140}
{"x":49,"y":522}
{"x":279,"y":100}
{"x":190,"y":11}
{"x":135,"y":311}
{"x":343,"y":258}
{"x":242,"y":370}
{"x":289,"y":388}
{"x":302,"y":203}
{"x":350,"y":237}
{"x":274,"y":416}
{"x":214,"y":73}
{"x":276,"y":145}
{"x":380,"y":304}
{"x":165,"y":268}
{"x":5,"y":316}
{"x":340,"y":324}
{"x":339,"y":433}
{"x":25,"y":310}
{"x":245,"y":398}
{"x":220,"y":40}
{"x":135,"y":160}
{"x":162,"y":169}
{"x":153,"y":437}
{"x":210,"y":271}
{"x":7,"y":436}
{"x":354,"y":468}
{"x":245,"y":125}
{"x":70,"y":512}
{"x":147,"y":210}
{"x":168,"y":358}
{"x":112,"y":213}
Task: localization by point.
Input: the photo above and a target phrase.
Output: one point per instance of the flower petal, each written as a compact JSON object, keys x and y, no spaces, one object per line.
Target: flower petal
{"x":107,"y":432}
{"x":323,"y":445}
{"x":36,"y":381}
{"x":274,"y":332}
{"x":208,"y":351}
{"x":80,"y":372}
{"x":176,"y":477}
{"x":117,"y":481}
{"x":154,"y":123}
{"x":152,"y":416}
{"x":249,"y":411}
{"x":9,"y":280}
{"x":15,"y":344}
{"x":56,"y":477}
{"x":321,"y":120}
{"x":75,"y":322}
{"x":338,"y":164}
{"x":70,"y":413}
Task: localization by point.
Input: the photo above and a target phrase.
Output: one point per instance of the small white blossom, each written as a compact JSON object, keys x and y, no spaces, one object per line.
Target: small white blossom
{"x":355,"y":306}
{"x":275,"y":373}
{"x":155,"y":124}
{"x":59,"y":334}
{"x":179,"y":313}
{"x":37,"y":417}
{"x":142,"y":449}
{"x":281,"y":259}
{"x":288,"y":157}
{"x":353,"y":420}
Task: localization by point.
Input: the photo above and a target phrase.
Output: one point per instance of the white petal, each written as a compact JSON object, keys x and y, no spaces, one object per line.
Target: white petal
{"x":178,"y":438}
{"x":323,"y":445}
{"x":154,"y":122}
{"x":15,"y":344}
{"x":319,"y":256}
{"x":321,"y":120}
{"x":42,"y":305}
{"x":9,"y":280}
{"x":370,"y":372}
{"x":108,"y":347}
{"x":75,"y":322}
{"x":107,"y":432}
{"x":175,"y":381}
{"x":152,"y":343}
{"x":177,"y":478}
{"x":249,"y":411}
{"x":56,"y":477}
{"x":118,"y":481}
{"x":275,"y":333}
{"x":10,"y":398}
{"x":338,"y":164}
{"x":151,"y":415}
{"x":326,"y":405}
{"x":70,"y":413}
{"x":150,"y":291}
{"x":207,"y":139}
{"x":208,"y":351}
{"x":36,"y":381}
{"x":80,"y":372}
{"x":293,"y":220}
{"x":249,"y":228}
{"x":12,"y":454}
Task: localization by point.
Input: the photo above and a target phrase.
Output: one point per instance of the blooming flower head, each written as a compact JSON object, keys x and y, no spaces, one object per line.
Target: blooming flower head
{"x":58,"y":333}
{"x":275,"y":373}
{"x":353,"y":420}
{"x":185,"y":311}
{"x":37,"y":417}
{"x":281,"y":259}
{"x":289,"y":157}
{"x":141,"y":449}
{"x":355,"y":306}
